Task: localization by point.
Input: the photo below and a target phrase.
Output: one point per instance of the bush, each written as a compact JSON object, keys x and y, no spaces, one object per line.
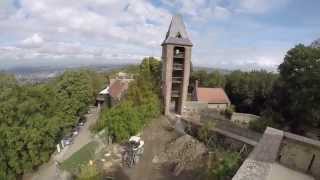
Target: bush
{"x":229,"y":111}
{"x":260,"y":125}
{"x":89,"y":172}
{"x":269,"y":118}
{"x":204,"y":132}
{"x":222,"y":165}
{"x":225,"y":166}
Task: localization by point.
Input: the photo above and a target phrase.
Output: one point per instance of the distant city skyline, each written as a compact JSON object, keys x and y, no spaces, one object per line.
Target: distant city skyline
{"x":227,"y":34}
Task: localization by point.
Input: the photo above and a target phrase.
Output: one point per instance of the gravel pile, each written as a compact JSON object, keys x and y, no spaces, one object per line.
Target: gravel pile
{"x":182,"y":153}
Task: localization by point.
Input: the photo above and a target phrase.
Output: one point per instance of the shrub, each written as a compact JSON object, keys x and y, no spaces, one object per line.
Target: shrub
{"x":268,"y":118}
{"x":89,"y":172}
{"x":222,"y":165}
{"x":226,"y":166}
{"x":204,"y":132}
{"x":229,"y":111}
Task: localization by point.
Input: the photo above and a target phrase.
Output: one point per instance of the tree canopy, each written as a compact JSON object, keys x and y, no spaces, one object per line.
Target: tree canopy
{"x":298,"y":87}
{"x":212,"y":79}
{"x":34,"y":118}
{"x":288,"y":99}
{"x":249,"y":91}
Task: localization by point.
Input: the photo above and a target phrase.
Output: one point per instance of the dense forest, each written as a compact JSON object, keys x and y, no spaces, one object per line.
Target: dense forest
{"x":289,"y":99}
{"x":140,"y":104}
{"x":34,"y":118}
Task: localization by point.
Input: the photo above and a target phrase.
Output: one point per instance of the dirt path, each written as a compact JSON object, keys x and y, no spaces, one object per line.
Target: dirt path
{"x":49,"y":171}
{"x":155,"y":136}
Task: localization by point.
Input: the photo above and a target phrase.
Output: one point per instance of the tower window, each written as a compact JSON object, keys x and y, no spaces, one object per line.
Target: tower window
{"x":178,"y":35}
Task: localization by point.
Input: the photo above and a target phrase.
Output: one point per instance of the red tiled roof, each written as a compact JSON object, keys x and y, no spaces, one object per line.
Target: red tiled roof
{"x":212,"y":95}
{"x":117,"y":88}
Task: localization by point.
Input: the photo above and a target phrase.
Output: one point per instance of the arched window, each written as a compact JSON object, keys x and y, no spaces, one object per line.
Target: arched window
{"x":178,"y":35}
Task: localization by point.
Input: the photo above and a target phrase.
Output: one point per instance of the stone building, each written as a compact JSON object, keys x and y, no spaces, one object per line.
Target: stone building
{"x":176,"y":57}
{"x":113,"y":93}
{"x":216,"y":98}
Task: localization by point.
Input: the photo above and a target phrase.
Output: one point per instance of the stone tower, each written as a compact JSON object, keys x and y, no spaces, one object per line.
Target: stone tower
{"x":176,"y":60}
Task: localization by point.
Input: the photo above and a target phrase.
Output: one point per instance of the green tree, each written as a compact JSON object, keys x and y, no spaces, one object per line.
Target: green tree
{"x":249,"y":91}
{"x":215,"y":79}
{"x":150,"y":72}
{"x":33,"y":118}
{"x":201,"y":76}
{"x":300,"y":84}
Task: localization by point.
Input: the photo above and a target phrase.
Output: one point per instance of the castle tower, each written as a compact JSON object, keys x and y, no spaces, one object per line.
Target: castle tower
{"x":176,"y":60}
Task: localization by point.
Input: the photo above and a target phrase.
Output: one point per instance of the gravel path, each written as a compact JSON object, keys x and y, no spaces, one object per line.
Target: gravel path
{"x":155,"y":136}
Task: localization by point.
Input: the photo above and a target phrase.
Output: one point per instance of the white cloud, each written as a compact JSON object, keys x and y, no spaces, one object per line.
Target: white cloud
{"x":113,"y":31}
{"x":124,"y":20}
{"x":221,"y":12}
{"x":34,"y":41}
{"x":258,"y":6}
{"x":84,"y":29}
{"x":200,"y":10}
{"x":204,"y":10}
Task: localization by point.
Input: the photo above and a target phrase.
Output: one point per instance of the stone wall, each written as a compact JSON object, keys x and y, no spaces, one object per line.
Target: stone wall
{"x":300,"y":153}
{"x":243,"y":119}
{"x":220,"y":107}
{"x":193,"y":109}
{"x":258,"y":165}
{"x":219,"y":135}
{"x":222,"y":122}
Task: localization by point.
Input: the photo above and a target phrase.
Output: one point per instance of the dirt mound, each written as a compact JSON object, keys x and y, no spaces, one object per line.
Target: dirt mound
{"x":182,"y":153}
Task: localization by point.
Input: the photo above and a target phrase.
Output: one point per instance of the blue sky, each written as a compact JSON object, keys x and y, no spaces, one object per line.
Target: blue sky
{"x":231,"y":34}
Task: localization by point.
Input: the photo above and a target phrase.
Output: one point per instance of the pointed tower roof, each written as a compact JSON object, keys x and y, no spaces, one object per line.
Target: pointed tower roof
{"x":177,"y":33}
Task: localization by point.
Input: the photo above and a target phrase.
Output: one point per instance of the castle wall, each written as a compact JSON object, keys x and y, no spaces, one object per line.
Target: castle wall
{"x":219,"y":134}
{"x":300,"y":153}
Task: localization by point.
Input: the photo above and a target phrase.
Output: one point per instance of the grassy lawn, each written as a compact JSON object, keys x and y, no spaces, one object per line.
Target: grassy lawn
{"x":81,"y":157}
